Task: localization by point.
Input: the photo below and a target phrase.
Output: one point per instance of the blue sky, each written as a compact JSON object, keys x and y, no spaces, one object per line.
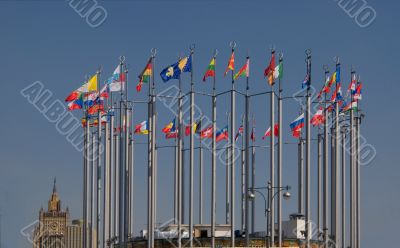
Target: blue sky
{"x":48,"y":41}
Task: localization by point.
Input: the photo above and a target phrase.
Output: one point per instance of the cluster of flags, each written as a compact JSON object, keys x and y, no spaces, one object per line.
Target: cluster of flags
{"x":91,"y":97}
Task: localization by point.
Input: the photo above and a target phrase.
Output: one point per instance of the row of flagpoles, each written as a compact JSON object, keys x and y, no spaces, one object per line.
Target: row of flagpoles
{"x":102,"y":128}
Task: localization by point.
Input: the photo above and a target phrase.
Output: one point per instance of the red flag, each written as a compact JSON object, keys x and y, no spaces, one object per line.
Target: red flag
{"x":269,"y":71}
{"x":207,"y":132}
{"x":231,"y":64}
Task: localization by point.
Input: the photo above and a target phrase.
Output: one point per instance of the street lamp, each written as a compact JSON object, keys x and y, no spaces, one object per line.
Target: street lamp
{"x":267,"y":204}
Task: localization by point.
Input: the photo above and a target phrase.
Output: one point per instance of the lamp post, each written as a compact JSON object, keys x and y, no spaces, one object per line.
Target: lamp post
{"x":267,"y":204}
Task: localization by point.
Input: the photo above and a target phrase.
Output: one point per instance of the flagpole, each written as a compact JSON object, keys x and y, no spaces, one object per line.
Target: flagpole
{"x":98,"y":172}
{"x":319,"y":192}
{"x":180,"y":164}
{"x":153,"y":148}
{"x":279,"y":153}
{"x":308,"y":153}
{"x":326,"y":165}
{"x":106,"y":191}
{"x":191,"y":179}
{"x":337,"y":162}
{"x":352,"y":172}
{"x":86,"y":176}
{"x":214,"y":155}
{"x":253,"y":179}
{"x":150,"y":176}
{"x":92,"y":193}
{"x":121,"y":192}
{"x":200,"y":175}
{"x":272,"y":160}
{"x":243,"y":182}
{"x":112,"y":174}
{"x":131,"y":180}
{"x":343,"y":158}
{"x":227,"y":178}
{"x":232,"y":154}
{"x":358,"y":178}
{"x":300,"y":181}
{"x":247,"y":157}
{"x":116,"y":184}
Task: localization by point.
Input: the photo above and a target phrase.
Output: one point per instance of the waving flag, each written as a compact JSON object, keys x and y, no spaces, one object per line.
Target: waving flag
{"x":239,"y":133}
{"x":297,"y":125}
{"x":357,"y":93}
{"x":231,"y":64}
{"x":318,"y":118}
{"x":172,"y":135}
{"x":352,"y":105}
{"x":352,"y":86}
{"x":73,"y":96}
{"x":222,"y":134}
{"x":244,"y":71}
{"x":337,"y":94}
{"x":142,"y":128}
{"x":144,"y":77}
{"x":306,"y":82}
{"x":91,"y":85}
{"x":170,"y":126}
{"x":278,"y":71}
{"x":269,"y":71}
{"x":196,"y":127}
{"x":76,"y":104}
{"x":116,"y":81}
{"x":207,"y":132}
{"x":268,"y":132}
{"x":210,"y":70}
{"x":174,"y":71}
{"x":326,"y":87}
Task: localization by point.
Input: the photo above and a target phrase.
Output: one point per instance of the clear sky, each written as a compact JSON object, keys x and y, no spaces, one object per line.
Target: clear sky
{"x":48,"y":41}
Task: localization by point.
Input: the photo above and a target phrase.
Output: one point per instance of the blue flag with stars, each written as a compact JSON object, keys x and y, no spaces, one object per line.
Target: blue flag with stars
{"x":174,"y":71}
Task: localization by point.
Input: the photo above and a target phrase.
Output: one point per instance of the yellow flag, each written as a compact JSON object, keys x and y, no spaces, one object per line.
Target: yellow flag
{"x":92,"y":83}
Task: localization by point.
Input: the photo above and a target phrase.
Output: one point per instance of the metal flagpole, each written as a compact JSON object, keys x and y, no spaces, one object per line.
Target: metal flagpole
{"x":352,"y":164}
{"x":126,"y":163}
{"x":343,"y":223}
{"x":131,"y":180}
{"x":176,"y":179}
{"x":116,"y":184}
{"x":86,"y":180}
{"x":92,"y":194}
{"x":319,"y":192}
{"x":300,"y":180}
{"x":227,"y":178}
{"x":153,"y":150}
{"x":214,"y":156}
{"x":333,"y":181}
{"x":106,"y":191}
{"x":121,"y":192}
{"x":98,"y":170}
{"x":247,"y":156}
{"x":308,"y":153}
{"x":150,"y":173}
{"x":358,"y":183}
{"x":180,"y":164}
{"x":279,"y":154}
{"x":272,"y":161}
{"x":200,"y":175}
{"x":243,"y":182}
{"x":253,"y":178}
{"x":326,"y":165}
{"x":232,"y":154}
{"x":337,"y":164}
{"x":112,"y":175}
{"x":191,"y":169}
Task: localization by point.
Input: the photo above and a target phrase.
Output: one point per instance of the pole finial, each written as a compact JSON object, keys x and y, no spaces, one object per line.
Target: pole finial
{"x":336,"y":59}
{"x":215,"y":53}
{"x":232,"y":44}
{"x":326,"y":68}
{"x":308,"y":53}
{"x":122,"y":59}
{"x":280,"y":55}
{"x":192,"y":47}
{"x":153,"y":52}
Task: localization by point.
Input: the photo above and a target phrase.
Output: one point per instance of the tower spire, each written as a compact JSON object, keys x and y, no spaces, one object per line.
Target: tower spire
{"x":54,"y":186}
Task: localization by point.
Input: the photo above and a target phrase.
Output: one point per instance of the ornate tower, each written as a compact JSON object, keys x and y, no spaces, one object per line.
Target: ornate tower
{"x":51,"y":230}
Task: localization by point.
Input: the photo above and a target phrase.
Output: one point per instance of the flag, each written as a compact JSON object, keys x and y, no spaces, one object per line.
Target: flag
{"x":170,"y":126}
{"x":337,"y":94}
{"x":116,"y":81}
{"x":76,"y":104}
{"x":352,"y":86}
{"x":269,"y":71}
{"x":231,"y":64}
{"x":318,"y":118}
{"x":207,"y":132}
{"x":222,"y":134}
{"x":172,"y":135}
{"x":353,"y":105}
{"x":306,"y":81}
{"x":357,"y":93}
{"x":326,"y":88}
{"x":268,"y":132}
{"x":95,"y":108}
{"x":278,"y":71}
{"x":144,"y":77}
{"x":142,"y":128}
{"x":244,"y":71}
{"x":195,"y":128}
{"x":210,"y":70}
{"x":297,"y":125}
{"x":174,"y":71}
{"x":92,"y":84}
{"x":239,"y":133}
{"x":73,"y":96}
